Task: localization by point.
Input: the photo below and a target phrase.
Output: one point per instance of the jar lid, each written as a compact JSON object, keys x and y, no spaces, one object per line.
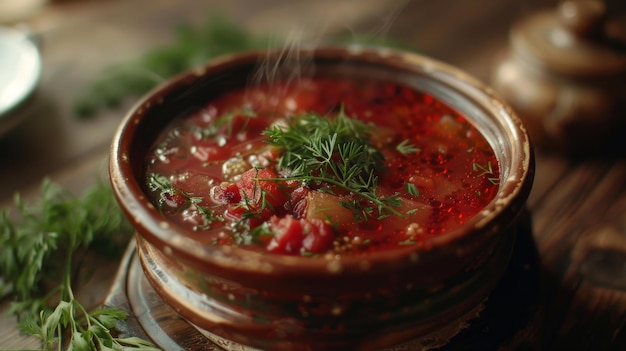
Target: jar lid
{"x":577,"y":40}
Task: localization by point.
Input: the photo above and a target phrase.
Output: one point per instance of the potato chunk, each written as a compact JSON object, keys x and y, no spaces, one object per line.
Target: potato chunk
{"x":328,"y":207}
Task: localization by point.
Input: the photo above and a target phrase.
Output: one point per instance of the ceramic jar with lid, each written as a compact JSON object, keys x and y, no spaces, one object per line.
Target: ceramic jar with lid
{"x":565,"y":74}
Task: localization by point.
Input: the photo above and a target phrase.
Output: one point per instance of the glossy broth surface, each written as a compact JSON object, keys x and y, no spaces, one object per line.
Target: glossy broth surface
{"x":214,"y":171}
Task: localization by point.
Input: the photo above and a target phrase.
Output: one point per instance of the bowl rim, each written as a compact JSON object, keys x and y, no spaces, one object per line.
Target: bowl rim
{"x":509,"y":200}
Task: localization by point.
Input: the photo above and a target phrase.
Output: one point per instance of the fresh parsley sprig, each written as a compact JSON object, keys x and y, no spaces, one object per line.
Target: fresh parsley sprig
{"x":336,"y":151}
{"x":31,"y":243}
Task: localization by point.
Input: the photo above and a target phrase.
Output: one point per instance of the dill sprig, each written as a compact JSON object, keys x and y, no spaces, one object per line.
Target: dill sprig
{"x":31,"y":243}
{"x":486,"y":171}
{"x":335,"y":151}
{"x":405,"y":148}
{"x":163,"y":186}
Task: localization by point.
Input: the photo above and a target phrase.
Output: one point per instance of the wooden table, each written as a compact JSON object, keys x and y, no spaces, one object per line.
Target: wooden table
{"x":577,"y":208}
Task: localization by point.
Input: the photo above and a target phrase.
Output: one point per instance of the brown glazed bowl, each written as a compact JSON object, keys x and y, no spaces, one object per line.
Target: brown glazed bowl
{"x":276,"y":302}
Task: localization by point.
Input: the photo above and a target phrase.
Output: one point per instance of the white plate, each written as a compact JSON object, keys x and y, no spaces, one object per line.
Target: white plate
{"x":20,"y":71}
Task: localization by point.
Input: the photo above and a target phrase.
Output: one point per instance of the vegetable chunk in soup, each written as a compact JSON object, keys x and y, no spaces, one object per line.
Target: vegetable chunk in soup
{"x":325,"y":166}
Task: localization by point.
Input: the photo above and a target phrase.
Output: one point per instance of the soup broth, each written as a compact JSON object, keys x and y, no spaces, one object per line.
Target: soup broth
{"x":327,"y":166}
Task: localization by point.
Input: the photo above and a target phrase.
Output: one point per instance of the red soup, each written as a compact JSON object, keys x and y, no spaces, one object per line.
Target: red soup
{"x":322,"y":167}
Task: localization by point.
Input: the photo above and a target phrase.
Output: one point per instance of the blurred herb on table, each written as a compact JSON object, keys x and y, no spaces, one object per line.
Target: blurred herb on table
{"x":191,"y":47}
{"x":41,"y":251}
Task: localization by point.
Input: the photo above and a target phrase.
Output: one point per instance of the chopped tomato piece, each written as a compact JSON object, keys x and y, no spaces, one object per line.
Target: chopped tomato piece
{"x":173,"y":199}
{"x":318,"y":235}
{"x":288,"y":235}
{"x":252,"y":196}
{"x":226,"y":193}
{"x":255,"y":216}
{"x":254,"y":189}
{"x":293,"y":235}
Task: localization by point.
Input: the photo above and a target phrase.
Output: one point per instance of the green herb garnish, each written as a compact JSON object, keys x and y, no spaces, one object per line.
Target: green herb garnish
{"x":261,"y":230}
{"x":159,"y":183}
{"x":486,"y":171}
{"x":334,"y":151}
{"x":411,"y":189}
{"x":405,"y":148}
{"x":61,"y":225}
{"x":192,"y":46}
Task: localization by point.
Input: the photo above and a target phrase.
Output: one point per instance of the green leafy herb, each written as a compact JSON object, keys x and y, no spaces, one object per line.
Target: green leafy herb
{"x":159,"y":183}
{"x":405,"y":148}
{"x":259,"y":231}
{"x":486,"y":171}
{"x":335,"y":151}
{"x":61,"y":225}
{"x":411,"y":189}
{"x":411,"y":212}
{"x":191,"y":47}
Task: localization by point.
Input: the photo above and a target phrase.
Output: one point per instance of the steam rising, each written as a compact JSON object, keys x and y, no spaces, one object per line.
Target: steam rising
{"x":288,"y":64}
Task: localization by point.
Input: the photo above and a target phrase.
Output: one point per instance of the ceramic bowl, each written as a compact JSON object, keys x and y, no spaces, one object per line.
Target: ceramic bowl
{"x":20,"y":73}
{"x":277,"y":302}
